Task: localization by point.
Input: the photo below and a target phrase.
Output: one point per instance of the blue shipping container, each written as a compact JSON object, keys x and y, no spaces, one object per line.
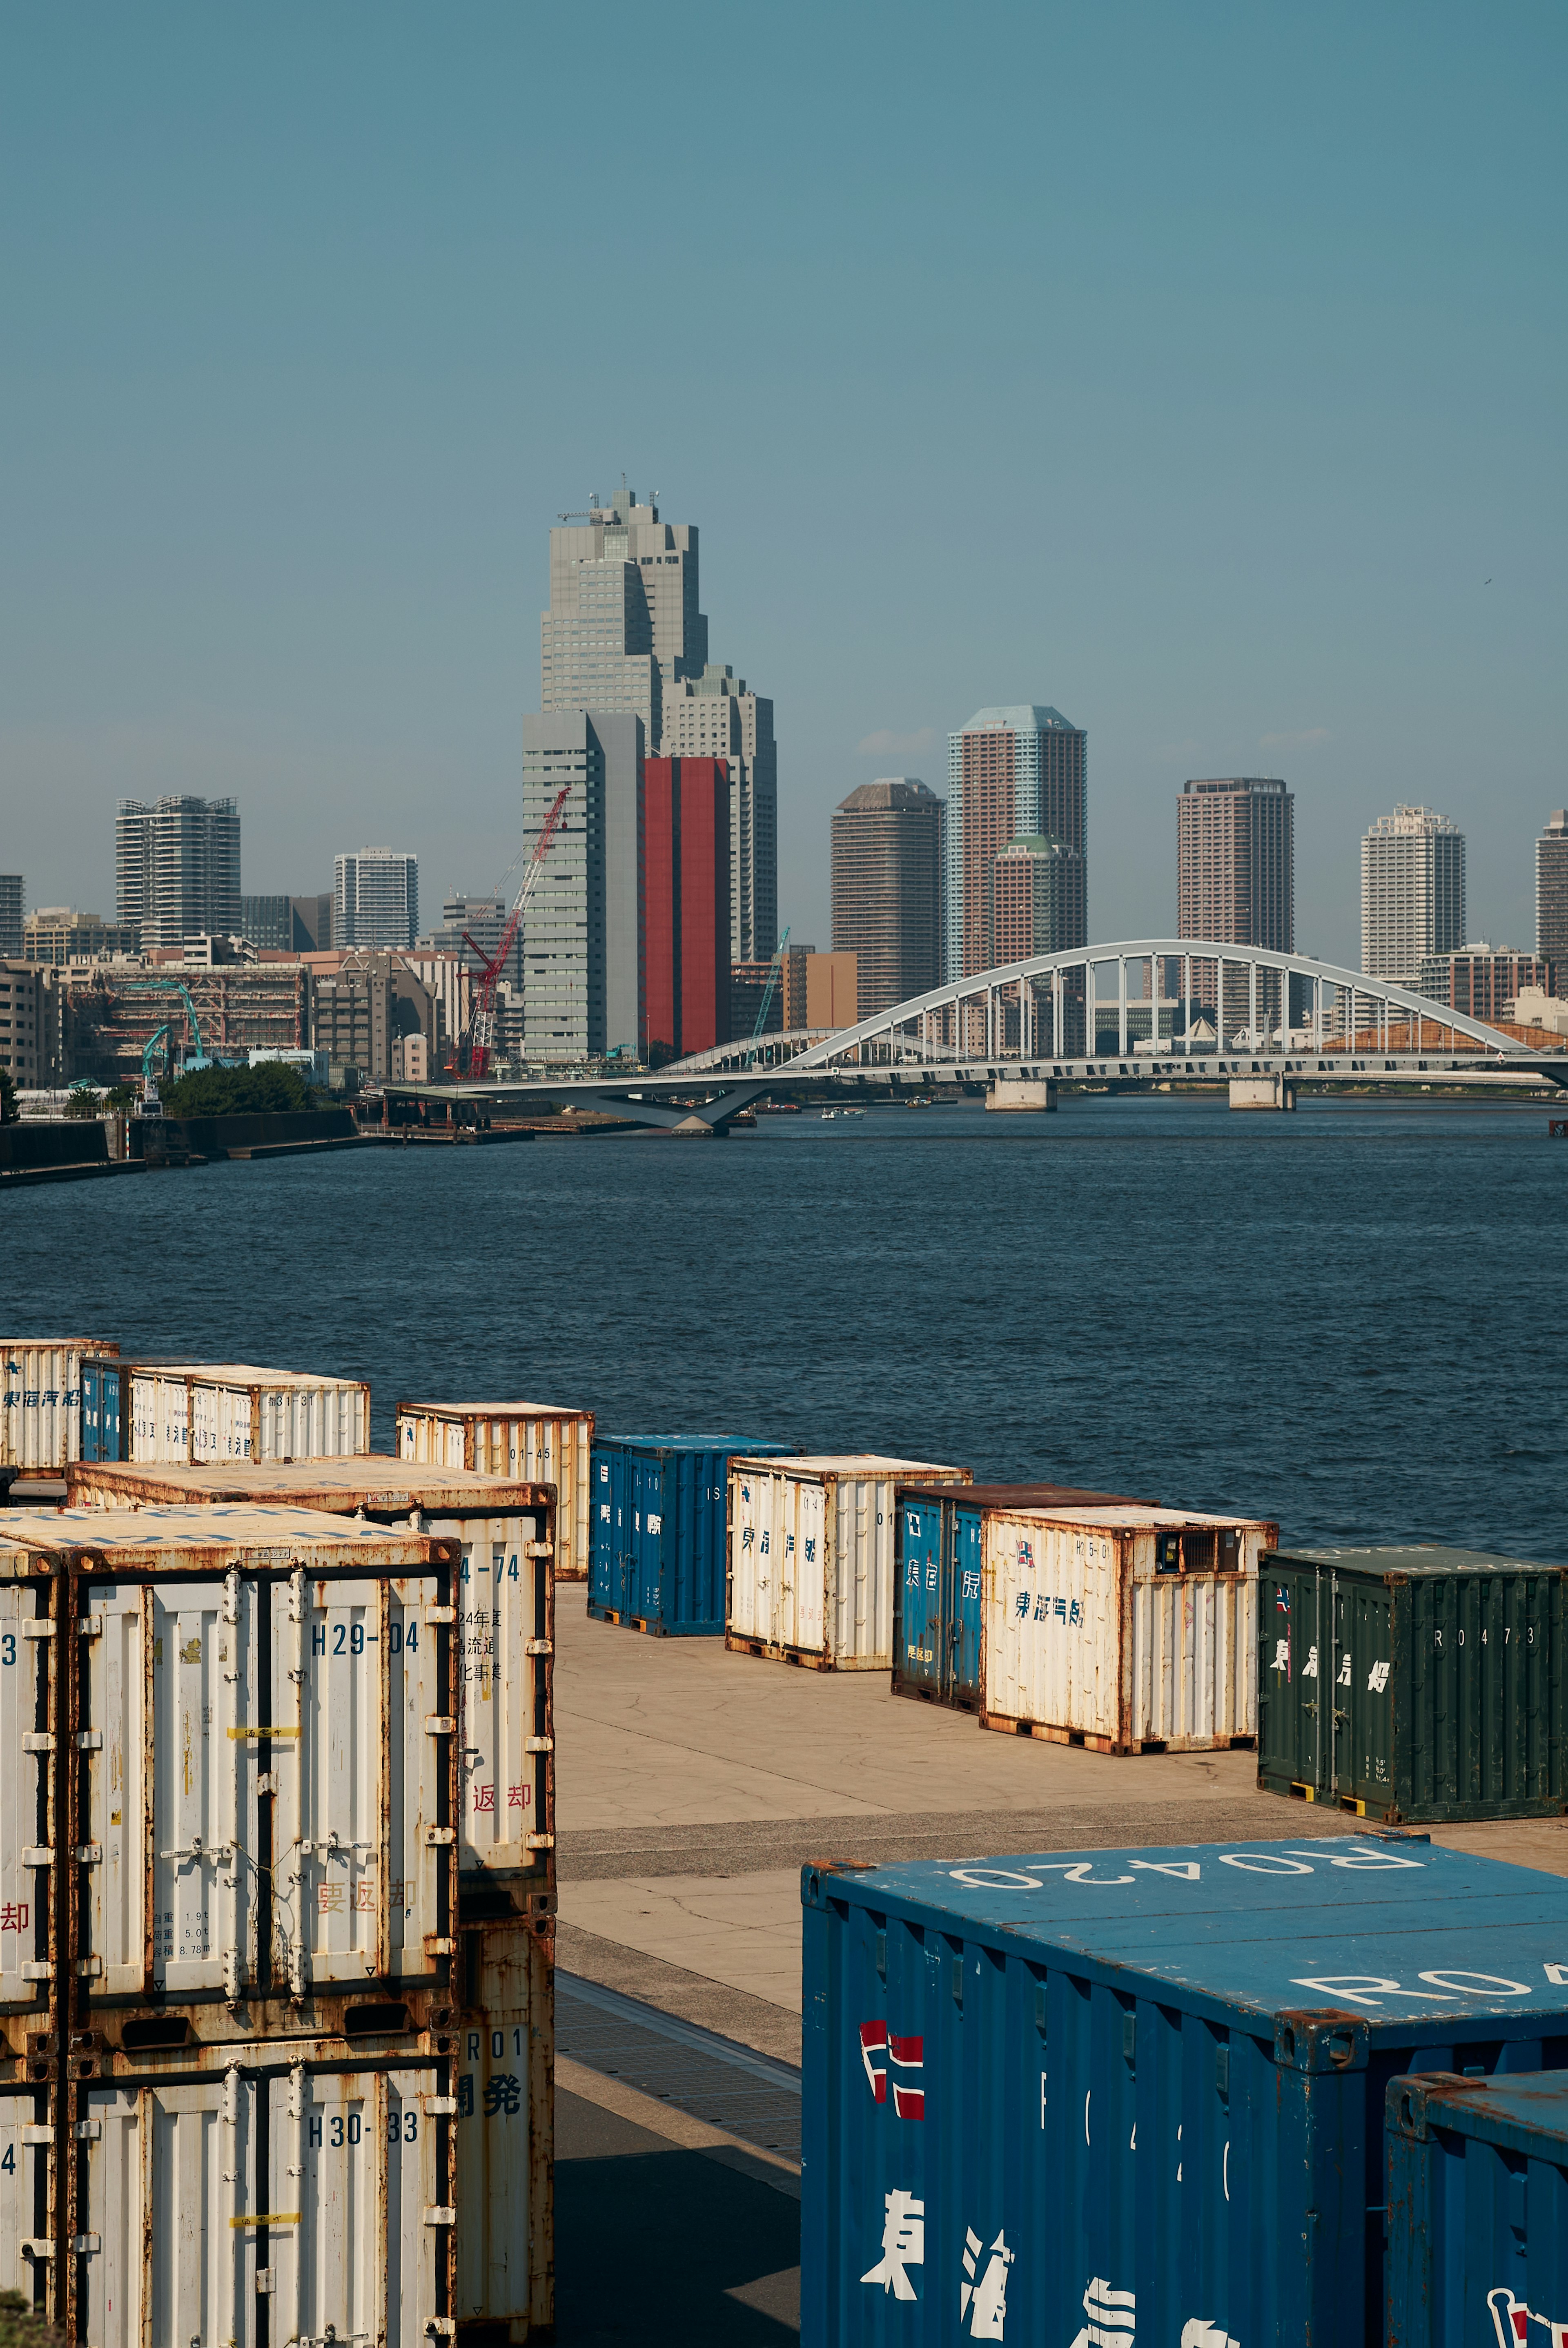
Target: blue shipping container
{"x":1477,"y":2211}
{"x":661,"y":1546}
{"x":103,"y":1409}
{"x":1082,"y":2097}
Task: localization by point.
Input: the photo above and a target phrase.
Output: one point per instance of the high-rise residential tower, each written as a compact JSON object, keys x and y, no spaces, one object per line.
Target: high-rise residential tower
{"x":1236,"y":863}
{"x":887,"y":890}
{"x":177,"y":869}
{"x":1412,"y":894}
{"x":716,"y":716}
{"x":376,"y":899}
{"x":1552,"y":895}
{"x":1035,"y":901}
{"x":584,"y":977}
{"x":1013,"y":771}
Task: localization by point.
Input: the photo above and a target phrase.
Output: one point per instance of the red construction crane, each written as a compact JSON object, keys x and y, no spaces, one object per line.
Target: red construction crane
{"x":482,"y":1025}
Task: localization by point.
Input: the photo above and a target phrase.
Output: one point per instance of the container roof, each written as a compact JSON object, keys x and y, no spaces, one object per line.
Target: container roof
{"x":1026,"y":1496}
{"x":1417,"y":1557}
{"x":753,"y":1446}
{"x":333,"y":1485}
{"x":224,"y":1528}
{"x":862,"y":1463}
{"x":1127,"y":1516}
{"x":1373,"y":1926}
{"x":239,"y":1374}
{"x":1520,"y":2110}
{"x":495,"y":1409}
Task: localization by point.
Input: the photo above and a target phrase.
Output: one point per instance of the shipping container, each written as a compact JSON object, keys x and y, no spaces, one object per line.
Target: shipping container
{"x":261,"y":1708}
{"x":41,"y":1399}
{"x":527,"y":1442}
{"x":1126,"y":1630}
{"x":811,"y":1575}
{"x":29,"y":2214}
{"x":106,"y":1420}
{"x":1086,"y":2096}
{"x":658,"y":1518}
{"x":506,"y":1618}
{"x":1419,"y":1683}
{"x":1478,"y":2212}
{"x":938,"y":1615}
{"x":32,"y":1742}
{"x":212,"y":1413}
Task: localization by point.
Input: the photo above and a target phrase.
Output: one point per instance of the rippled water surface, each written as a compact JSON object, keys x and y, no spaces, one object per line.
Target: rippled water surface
{"x":1351,"y":1318}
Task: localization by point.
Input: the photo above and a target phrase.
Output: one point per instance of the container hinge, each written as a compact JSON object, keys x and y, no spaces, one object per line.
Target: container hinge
{"x":440,"y":1724}
{"x":539,"y":1745}
{"x":89,"y":1854}
{"x":264,"y":2281}
{"x":38,"y":1854}
{"x":540,"y":1842}
{"x":88,"y":2131}
{"x":441,"y":1834}
{"x":35,"y":2249}
{"x":37,"y":1627}
{"x":444,"y":2214}
{"x":38,"y":1969}
{"x":85,"y":2244}
{"x":267,"y":1782}
{"x":88,"y":1968}
{"x":439,"y":1944}
{"x":441,"y":1614}
{"x":541,"y":1647}
{"x":35,"y":2132}
{"x":38,"y":1740}
{"x":438,"y":2106}
{"x":539,"y":1548}
{"x":90,"y":1626}
{"x":89,"y":1740}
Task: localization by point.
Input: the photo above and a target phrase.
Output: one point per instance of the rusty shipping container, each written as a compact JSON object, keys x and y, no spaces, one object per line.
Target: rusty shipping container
{"x":810,"y":1564}
{"x":41,"y":1400}
{"x":506,"y":1532}
{"x":36,"y":1617}
{"x":260,"y":1713}
{"x":31,"y":2214}
{"x":216,"y":1412}
{"x":526,"y":1442}
{"x":1126,"y":1630}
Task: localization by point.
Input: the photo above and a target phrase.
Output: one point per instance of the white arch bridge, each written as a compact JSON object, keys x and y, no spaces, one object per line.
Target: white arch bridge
{"x":1141,"y":1012}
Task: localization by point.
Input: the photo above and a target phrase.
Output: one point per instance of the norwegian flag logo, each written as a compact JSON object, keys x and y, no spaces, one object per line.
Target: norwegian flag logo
{"x":882,"y":2052}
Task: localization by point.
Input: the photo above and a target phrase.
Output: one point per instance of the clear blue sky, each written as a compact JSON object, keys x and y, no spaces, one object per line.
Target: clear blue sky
{"x":1192,"y":368}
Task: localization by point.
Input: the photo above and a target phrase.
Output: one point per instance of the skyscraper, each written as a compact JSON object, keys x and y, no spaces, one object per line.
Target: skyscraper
{"x":886,"y":890}
{"x":376,"y":899}
{"x":716,"y":716}
{"x":1552,"y":895}
{"x":1236,"y":863}
{"x":1034,"y":901}
{"x":583,"y":931}
{"x":1412,"y":894}
{"x":288,"y":924}
{"x":686,"y":905}
{"x":10,"y":915}
{"x":1014,"y":771}
{"x":177,"y":869}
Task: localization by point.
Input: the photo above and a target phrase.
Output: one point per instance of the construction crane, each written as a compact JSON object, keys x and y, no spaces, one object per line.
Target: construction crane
{"x":482,"y":1025}
{"x":775,"y":968}
{"x":169,"y":986}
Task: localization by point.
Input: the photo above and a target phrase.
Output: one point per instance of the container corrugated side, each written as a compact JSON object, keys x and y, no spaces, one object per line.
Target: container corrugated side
{"x":1114,"y":1628}
{"x":41,"y":1399}
{"x":531,"y":1443}
{"x":33,"y":1880}
{"x":216,"y":1413}
{"x":810,"y":1564}
{"x":1141,"y":2091}
{"x":104,"y":1427}
{"x":1478,"y":2212}
{"x":659,"y":1552}
{"x":1420,"y":1684}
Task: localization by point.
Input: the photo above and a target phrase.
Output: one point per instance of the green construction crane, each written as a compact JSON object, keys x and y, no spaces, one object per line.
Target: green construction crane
{"x":774,"y":970}
{"x":170,"y":986}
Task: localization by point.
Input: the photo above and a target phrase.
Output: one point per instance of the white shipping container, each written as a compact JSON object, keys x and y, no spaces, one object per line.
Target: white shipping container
{"x":526,"y":1443}
{"x":216,"y":1413}
{"x":810,"y":1564}
{"x":26,"y":1771}
{"x":1122,"y":1629}
{"x":41,"y":1400}
{"x":27,"y":2170}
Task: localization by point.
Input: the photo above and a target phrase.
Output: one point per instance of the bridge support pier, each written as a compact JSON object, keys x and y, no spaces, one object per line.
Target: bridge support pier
{"x":1262,"y":1092}
{"x":1015,"y":1092}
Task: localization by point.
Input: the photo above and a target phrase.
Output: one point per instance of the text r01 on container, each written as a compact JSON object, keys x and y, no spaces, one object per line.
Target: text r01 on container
{"x":1142,"y":2091}
{"x":526,"y":1442}
{"x":1477,"y":2211}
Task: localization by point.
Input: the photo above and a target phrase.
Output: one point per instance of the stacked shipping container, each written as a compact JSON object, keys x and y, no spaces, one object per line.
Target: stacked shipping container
{"x":524,"y":1442}
{"x":283,"y":2073}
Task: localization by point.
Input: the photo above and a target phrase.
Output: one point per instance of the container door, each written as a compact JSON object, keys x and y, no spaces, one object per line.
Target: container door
{"x":220,"y":1426}
{"x":363,"y":1755}
{"x":815,"y":1562}
{"x":170,"y":1821}
{"x":963,"y":1611}
{"x":170,"y":2245}
{"x":503,"y":1619}
{"x":919,"y":1647}
{"x":1295,"y":1678}
{"x":93,"y":1384}
{"x":503,"y":2099}
{"x":26,"y":2181}
{"x":1362,"y":1693}
{"x":362,"y":2217}
{"x":26,"y":1796}
{"x":159,"y":1419}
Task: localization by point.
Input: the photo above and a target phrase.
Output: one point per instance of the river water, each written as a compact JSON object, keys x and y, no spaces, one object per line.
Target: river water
{"x":1351,"y":1318}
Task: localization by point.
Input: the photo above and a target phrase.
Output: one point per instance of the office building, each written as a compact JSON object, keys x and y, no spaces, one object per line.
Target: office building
{"x":28,"y":1022}
{"x":1552,"y":890}
{"x":1482,"y":979}
{"x":11,"y":894}
{"x":448,"y":980}
{"x":717,"y":715}
{"x":686,"y":906}
{"x":56,"y":933}
{"x":749,"y":995}
{"x":364,"y":1007}
{"x":1013,"y":772}
{"x":623,"y":621}
{"x":1412,"y":894}
{"x":177,"y":869}
{"x":582,"y":933}
{"x":887,"y":889}
{"x":288,"y":924}
{"x":1235,"y":862}
{"x":376,"y":899}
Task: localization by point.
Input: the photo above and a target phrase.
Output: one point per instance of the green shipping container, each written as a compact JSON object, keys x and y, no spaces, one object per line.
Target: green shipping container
{"x":1418,"y":1684}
